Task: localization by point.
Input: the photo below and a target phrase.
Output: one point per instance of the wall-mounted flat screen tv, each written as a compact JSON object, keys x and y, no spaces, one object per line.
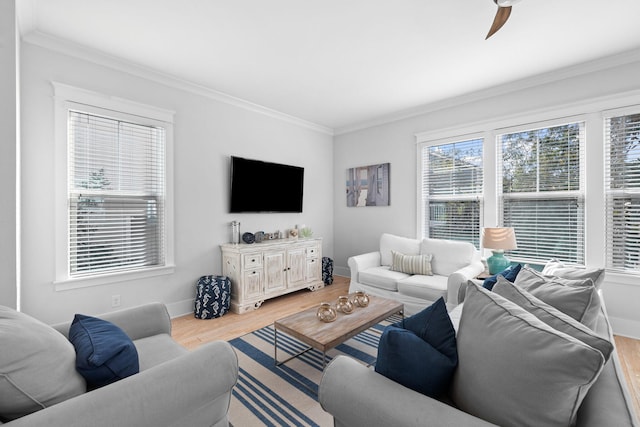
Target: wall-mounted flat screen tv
{"x":258,"y":186}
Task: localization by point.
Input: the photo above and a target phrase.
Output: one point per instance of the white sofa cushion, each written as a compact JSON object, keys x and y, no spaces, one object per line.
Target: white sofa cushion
{"x":405,"y":245}
{"x":381,"y":277}
{"x":429,"y":288}
{"x":448,"y":256}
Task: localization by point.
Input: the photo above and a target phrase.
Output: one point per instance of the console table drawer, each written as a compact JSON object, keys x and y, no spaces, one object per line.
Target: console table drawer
{"x":312,"y":252}
{"x":252,"y":260}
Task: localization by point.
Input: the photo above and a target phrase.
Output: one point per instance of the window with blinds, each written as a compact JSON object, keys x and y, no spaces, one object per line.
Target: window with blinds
{"x":622,"y":192}
{"x":541,"y":193}
{"x":452,"y":185}
{"x":116,"y":195}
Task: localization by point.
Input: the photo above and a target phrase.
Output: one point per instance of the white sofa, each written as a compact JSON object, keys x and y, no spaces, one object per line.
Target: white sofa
{"x":452,"y":264}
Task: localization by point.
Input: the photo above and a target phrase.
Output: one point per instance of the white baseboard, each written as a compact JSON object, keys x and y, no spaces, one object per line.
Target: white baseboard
{"x":625,"y":327}
{"x":342,"y":271}
{"x":180,"y":308}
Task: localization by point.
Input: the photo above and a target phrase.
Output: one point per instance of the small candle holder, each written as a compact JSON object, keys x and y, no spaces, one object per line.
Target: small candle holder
{"x":360,"y":299}
{"x":326,"y":313}
{"x":344,"y":305}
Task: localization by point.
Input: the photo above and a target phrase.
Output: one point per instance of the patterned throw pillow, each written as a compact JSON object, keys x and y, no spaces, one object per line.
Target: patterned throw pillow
{"x":411,"y":264}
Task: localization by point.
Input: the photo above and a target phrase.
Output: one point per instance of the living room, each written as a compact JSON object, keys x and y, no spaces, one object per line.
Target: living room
{"x":43,"y":64}
{"x":210,"y":126}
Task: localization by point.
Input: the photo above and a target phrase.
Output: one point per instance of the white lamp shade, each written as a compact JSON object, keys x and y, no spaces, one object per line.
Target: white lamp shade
{"x":503,"y":238}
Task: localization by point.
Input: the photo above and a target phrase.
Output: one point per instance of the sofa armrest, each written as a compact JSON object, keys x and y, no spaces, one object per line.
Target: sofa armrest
{"x":362,"y":262}
{"x":358,"y":396}
{"x":165,"y":395}
{"x":137,"y":322}
{"x":459,"y":279}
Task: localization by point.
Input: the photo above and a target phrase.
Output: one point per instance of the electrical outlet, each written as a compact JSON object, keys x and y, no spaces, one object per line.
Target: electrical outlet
{"x":115,"y":300}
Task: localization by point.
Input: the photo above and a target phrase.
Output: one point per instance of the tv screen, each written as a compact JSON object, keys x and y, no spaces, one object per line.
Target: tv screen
{"x":258,"y":186}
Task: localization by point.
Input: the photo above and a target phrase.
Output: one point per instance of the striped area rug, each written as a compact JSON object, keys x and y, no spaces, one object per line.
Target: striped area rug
{"x":267,"y":395}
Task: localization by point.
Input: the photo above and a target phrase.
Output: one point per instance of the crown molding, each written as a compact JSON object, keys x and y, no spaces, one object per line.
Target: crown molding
{"x":583,"y":68}
{"x":66,"y":47}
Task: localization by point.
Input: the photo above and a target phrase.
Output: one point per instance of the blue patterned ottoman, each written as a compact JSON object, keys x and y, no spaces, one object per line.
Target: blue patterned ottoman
{"x":327,"y":270}
{"x":213,"y":295}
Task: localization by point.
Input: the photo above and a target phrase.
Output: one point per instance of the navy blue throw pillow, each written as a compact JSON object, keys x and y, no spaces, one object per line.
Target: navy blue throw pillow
{"x":104,"y":352}
{"x":510,"y":273}
{"x":420,"y":352}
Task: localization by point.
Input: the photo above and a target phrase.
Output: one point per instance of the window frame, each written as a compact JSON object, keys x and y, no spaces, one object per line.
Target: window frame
{"x":423,"y":215}
{"x":620,"y":193}
{"x":593,"y":110}
{"x":68,"y":98}
{"x":542,"y":195}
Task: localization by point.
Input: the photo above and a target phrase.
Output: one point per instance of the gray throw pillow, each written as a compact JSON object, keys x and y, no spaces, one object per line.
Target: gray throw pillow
{"x":515,"y":370}
{"x":552,"y":317}
{"x":576,"y":298}
{"x":37,"y":366}
{"x":555,"y":267}
{"x":535,"y":277}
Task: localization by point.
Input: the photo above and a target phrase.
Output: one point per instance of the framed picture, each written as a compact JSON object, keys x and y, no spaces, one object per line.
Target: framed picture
{"x":368,"y":185}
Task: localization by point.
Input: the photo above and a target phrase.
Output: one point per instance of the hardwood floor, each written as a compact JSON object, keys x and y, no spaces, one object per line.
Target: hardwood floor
{"x":629,"y":352}
{"x":192,"y":332}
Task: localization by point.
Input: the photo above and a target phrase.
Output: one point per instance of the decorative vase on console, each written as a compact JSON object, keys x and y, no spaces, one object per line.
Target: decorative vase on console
{"x":235,"y":232}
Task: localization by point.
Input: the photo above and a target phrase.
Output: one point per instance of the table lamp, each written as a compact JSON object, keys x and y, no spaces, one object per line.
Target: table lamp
{"x":498,"y":239}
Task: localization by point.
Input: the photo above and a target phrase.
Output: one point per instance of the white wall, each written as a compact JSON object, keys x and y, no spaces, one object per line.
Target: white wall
{"x":206,"y":133}
{"x":9,"y":58}
{"x":357,"y":230}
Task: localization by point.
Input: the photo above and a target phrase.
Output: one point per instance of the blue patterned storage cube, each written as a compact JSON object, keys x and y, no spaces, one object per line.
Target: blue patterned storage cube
{"x":213,"y":295}
{"x":327,"y":270}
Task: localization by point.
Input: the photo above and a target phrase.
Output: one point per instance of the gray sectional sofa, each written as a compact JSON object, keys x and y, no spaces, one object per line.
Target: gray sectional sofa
{"x":490,"y":377}
{"x":175,"y":387}
{"x":452,"y":264}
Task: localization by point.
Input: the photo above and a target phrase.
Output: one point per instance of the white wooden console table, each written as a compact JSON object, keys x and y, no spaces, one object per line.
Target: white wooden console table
{"x":271,"y":268}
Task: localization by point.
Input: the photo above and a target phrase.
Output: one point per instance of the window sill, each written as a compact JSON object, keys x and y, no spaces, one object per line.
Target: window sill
{"x":621,"y":278}
{"x":106,"y":279}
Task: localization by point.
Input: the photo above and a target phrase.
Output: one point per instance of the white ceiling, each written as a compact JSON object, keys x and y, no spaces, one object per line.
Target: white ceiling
{"x":338,"y":63}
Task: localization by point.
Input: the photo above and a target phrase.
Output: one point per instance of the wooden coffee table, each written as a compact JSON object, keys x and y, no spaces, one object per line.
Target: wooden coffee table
{"x":306,"y":327}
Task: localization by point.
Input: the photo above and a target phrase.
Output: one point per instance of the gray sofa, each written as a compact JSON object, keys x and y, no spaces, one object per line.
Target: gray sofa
{"x":452,"y":264}
{"x":175,"y":387}
{"x":358,"y":396}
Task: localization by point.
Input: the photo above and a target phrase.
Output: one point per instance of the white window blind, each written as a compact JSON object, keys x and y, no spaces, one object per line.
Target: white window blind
{"x":622,"y":188}
{"x":541,"y":192}
{"x":452,"y":185}
{"x":116,"y":195}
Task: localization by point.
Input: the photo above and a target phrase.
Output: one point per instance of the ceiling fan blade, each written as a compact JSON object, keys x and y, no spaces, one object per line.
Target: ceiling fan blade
{"x":501,"y":17}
